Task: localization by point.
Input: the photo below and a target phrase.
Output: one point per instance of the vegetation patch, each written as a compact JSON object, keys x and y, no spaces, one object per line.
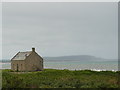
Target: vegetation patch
{"x":52,"y":78}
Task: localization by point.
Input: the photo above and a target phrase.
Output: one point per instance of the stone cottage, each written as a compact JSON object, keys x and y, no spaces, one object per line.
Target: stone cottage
{"x":27,"y":61}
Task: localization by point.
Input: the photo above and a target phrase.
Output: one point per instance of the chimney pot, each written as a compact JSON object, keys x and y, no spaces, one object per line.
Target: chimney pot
{"x":33,"y":49}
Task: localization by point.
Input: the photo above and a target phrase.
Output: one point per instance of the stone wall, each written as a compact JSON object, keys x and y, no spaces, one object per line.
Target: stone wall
{"x":18,"y":65}
{"x":34,"y":62}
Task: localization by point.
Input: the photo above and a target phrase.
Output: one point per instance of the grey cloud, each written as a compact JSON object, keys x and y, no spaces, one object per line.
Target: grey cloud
{"x":57,"y":29}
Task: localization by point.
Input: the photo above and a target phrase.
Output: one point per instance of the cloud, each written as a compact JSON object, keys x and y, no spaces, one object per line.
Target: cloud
{"x":57,"y":29}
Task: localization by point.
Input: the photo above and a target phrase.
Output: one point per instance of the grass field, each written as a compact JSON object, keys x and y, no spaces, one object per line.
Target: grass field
{"x":52,"y":78}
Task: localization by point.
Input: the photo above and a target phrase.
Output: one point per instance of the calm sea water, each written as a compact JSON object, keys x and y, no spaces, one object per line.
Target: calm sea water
{"x":74,"y":65}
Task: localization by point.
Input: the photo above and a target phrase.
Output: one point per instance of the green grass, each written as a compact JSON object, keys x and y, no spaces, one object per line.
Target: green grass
{"x":52,"y":78}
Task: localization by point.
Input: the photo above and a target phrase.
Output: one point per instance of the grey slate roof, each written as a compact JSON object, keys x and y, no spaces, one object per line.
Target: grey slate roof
{"x":21,"y":55}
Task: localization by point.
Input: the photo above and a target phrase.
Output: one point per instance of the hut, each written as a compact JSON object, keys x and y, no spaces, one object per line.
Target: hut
{"x":27,"y":61}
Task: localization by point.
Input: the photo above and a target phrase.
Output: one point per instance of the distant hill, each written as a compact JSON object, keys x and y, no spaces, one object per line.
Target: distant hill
{"x":78,"y":58}
{"x":72,"y":58}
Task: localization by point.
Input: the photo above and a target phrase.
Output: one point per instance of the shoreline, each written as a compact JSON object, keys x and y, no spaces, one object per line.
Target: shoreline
{"x":71,"y":67}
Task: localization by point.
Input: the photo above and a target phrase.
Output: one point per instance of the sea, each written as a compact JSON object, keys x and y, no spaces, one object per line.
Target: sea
{"x":74,"y":65}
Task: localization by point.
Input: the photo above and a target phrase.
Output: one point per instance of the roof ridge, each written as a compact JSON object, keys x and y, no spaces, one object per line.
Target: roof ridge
{"x":25,"y":51}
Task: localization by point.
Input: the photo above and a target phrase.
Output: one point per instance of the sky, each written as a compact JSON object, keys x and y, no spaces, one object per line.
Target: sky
{"x":0,"y":31}
{"x":59,"y":0}
{"x":60,"y":29}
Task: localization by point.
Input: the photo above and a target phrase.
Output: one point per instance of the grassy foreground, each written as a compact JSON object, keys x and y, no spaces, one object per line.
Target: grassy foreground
{"x":52,"y":78}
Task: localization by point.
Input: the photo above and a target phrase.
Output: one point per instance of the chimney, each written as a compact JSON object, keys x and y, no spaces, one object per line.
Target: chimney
{"x":33,"y":49}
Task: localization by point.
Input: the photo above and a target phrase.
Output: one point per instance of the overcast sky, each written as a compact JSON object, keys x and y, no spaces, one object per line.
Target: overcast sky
{"x":60,"y":29}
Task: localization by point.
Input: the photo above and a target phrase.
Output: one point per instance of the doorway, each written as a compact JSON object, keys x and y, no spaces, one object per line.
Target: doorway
{"x":17,"y":68}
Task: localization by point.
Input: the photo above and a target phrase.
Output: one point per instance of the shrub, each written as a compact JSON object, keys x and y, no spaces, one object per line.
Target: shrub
{"x":52,"y":78}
